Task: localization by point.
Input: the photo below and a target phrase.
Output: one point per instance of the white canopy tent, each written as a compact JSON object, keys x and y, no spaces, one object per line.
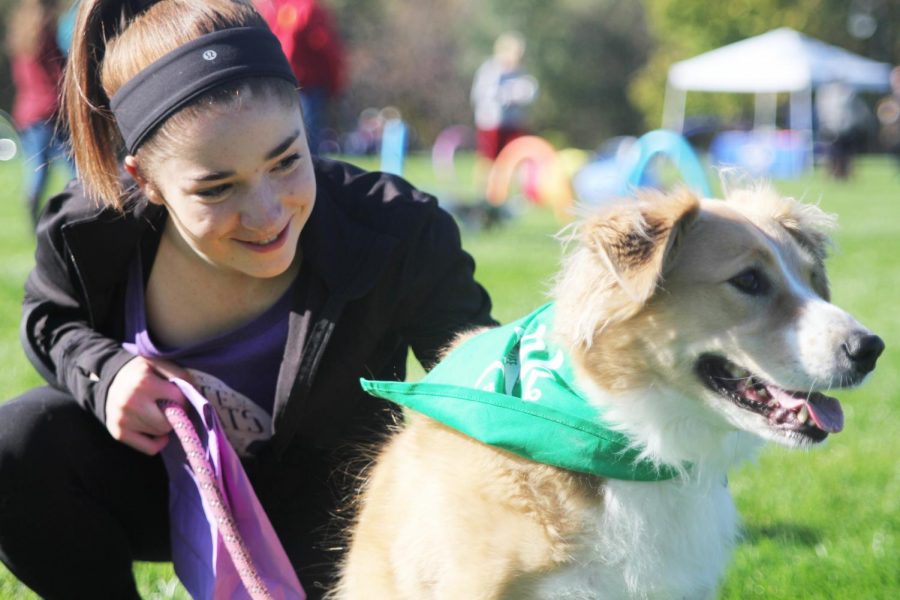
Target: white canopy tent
{"x":780,"y":61}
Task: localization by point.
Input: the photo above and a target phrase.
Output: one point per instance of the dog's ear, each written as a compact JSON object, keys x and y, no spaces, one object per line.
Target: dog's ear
{"x":621,"y":255}
{"x":637,"y":240}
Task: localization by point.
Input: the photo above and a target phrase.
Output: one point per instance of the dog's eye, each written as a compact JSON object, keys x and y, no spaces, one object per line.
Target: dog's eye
{"x":750,"y":282}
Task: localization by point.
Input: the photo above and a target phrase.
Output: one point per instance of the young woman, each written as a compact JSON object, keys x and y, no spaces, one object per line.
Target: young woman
{"x":225,"y":255}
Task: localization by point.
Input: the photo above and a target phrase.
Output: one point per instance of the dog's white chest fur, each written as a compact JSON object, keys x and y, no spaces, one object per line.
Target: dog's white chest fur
{"x":665,"y":539}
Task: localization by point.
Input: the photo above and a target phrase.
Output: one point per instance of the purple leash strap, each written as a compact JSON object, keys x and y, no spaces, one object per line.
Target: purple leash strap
{"x":212,"y":495}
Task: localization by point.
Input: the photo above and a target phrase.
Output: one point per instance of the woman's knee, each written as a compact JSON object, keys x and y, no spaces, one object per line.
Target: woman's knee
{"x":43,"y":417}
{"x":59,"y":464}
{"x":40,"y":432}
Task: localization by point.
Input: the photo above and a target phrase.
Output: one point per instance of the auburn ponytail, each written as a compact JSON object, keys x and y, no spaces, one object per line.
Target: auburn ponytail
{"x":94,"y":137}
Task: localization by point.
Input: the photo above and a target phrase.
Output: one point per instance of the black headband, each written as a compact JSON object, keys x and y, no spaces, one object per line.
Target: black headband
{"x":182,"y":75}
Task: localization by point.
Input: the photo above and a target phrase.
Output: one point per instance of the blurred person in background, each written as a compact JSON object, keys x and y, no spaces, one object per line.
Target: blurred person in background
{"x":888,"y":112}
{"x":501,"y":93}
{"x":37,"y":66}
{"x":843,"y":124}
{"x":366,"y":137}
{"x":316,"y":53}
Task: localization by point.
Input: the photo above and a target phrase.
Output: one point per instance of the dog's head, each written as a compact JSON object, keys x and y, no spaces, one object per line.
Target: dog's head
{"x":722,"y":306}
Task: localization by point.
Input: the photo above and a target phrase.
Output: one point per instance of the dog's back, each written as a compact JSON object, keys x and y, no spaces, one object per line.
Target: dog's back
{"x":448,"y":517}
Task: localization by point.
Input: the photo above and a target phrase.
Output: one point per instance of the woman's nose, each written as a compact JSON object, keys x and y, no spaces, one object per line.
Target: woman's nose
{"x":263,"y":210}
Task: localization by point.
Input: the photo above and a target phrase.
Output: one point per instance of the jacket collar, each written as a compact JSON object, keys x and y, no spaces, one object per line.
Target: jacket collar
{"x":103,"y":243}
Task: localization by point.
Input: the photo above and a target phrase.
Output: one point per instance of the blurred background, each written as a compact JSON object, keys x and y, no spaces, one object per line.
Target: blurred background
{"x":602,"y":64}
{"x":517,"y":113}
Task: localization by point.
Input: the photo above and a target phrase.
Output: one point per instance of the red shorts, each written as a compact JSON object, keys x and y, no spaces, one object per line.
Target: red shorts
{"x":489,"y":142}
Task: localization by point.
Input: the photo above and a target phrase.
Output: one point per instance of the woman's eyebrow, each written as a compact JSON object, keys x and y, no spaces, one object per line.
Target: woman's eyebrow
{"x":215,"y":175}
{"x":284,"y":145}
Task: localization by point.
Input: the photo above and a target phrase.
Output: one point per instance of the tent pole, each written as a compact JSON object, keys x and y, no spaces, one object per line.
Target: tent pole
{"x":801,"y":120}
{"x":673,"y":109}
{"x":764,"y":111}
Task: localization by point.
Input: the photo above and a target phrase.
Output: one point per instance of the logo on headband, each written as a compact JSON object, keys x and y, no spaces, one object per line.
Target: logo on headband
{"x":210,"y":55}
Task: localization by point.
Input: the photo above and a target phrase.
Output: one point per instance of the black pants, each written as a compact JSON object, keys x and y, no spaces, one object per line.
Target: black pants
{"x":77,"y":507}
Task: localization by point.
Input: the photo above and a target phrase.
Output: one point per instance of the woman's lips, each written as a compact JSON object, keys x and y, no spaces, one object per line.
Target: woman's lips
{"x":271,"y":246}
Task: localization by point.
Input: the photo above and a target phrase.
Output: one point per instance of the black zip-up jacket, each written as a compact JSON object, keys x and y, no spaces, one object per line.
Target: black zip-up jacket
{"x":383,"y":271}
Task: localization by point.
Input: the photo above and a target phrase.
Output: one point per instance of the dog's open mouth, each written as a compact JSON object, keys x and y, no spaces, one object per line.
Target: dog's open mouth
{"x":811,"y":414}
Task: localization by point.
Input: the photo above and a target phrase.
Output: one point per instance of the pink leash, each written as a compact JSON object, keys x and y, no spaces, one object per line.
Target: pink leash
{"x":212,"y":495}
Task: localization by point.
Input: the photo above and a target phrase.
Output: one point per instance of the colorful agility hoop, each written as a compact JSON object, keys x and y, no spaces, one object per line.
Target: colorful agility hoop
{"x":551,"y":184}
{"x":663,"y":142}
{"x":443,"y":152}
{"x":393,"y":146}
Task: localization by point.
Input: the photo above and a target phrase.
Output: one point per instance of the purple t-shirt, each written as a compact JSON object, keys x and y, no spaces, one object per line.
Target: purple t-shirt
{"x":236,"y":371}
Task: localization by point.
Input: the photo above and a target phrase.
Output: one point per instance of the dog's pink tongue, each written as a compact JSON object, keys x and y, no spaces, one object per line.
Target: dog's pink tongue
{"x":826,"y":412}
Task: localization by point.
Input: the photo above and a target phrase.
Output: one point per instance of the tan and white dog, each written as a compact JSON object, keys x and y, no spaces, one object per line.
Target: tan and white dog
{"x":701,"y":327}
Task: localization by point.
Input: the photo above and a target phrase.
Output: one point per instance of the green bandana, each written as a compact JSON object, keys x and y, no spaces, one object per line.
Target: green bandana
{"x":511,"y":387}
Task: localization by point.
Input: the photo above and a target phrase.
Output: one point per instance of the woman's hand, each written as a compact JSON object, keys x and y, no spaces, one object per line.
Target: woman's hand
{"x":132,"y":414}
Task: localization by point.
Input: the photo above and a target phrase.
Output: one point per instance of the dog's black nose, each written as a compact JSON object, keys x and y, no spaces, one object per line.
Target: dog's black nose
{"x":863,"y":350}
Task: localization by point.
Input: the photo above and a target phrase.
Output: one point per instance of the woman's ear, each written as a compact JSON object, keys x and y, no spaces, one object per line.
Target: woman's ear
{"x":133,"y":168}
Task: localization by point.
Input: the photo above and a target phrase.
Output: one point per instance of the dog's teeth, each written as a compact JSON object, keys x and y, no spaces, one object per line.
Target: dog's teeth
{"x":803,"y":415}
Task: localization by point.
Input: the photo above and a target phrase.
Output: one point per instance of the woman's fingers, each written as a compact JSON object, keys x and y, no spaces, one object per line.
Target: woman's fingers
{"x":140,"y":411}
{"x":148,"y":444}
{"x":133,"y":415}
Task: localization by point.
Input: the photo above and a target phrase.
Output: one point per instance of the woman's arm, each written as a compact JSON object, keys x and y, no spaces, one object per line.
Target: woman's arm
{"x":61,"y":339}
{"x":441,"y":296}
{"x":55,"y":331}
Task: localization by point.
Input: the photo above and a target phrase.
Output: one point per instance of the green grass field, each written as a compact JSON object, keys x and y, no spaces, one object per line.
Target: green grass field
{"x":818,"y":524}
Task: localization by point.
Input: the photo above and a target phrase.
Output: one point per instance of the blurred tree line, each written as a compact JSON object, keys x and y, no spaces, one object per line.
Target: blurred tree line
{"x":421,"y":56}
{"x":601,"y":63}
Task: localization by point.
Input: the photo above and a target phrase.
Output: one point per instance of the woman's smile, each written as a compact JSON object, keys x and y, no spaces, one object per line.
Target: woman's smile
{"x":270,"y":244}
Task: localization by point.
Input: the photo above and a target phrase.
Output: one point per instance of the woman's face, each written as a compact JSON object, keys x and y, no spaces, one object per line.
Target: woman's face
{"x":239,"y":188}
